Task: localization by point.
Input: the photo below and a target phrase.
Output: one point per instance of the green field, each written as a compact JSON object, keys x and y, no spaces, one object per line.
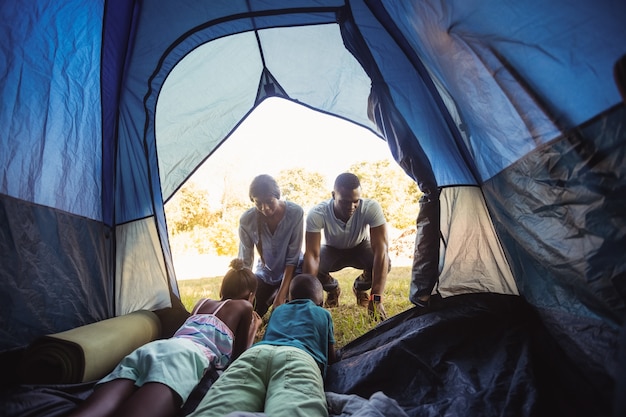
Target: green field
{"x":350,"y":320}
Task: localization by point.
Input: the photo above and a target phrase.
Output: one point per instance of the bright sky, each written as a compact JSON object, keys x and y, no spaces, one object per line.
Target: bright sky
{"x":292,"y":136}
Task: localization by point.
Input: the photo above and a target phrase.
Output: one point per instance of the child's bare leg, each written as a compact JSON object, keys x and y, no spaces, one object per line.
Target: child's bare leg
{"x":105,"y":399}
{"x":152,"y":399}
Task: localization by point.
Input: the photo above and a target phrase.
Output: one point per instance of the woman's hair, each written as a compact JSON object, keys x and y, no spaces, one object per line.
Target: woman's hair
{"x":239,"y":281}
{"x":262,"y":186}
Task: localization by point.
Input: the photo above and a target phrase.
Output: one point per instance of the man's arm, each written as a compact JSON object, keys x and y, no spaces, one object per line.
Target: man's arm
{"x":380,"y":247}
{"x":312,"y":252}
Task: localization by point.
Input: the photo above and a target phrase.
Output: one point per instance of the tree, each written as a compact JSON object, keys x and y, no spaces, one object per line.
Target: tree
{"x":223,"y":234}
{"x":194,"y":226}
{"x":223,"y":237}
{"x":396,"y":192}
{"x":305,"y":188}
{"x":188,"y":209}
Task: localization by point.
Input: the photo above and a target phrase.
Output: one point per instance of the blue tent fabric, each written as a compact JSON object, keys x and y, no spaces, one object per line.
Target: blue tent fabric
{"x":472,"y":354}
{"x":568,"y":175}
{"x":75,"y":251}
{"x":108,"y":106}
{"x":411,"y":157}
{"x":49,"y":83}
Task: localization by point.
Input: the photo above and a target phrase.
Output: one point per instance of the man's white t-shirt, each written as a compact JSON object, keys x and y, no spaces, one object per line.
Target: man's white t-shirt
{"x":345,"y":235}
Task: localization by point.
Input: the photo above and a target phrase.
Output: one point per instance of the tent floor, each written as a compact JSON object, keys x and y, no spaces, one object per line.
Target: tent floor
{"x":469,"y":355}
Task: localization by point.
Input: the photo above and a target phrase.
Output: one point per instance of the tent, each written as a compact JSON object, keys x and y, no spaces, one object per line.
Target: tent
{"x":506,"y":114}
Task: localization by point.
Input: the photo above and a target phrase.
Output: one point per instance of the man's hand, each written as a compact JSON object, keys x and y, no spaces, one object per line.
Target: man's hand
{"x":376,"y":310}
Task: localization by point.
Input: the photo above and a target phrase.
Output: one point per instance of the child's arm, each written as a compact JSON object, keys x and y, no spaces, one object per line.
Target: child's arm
{"x":254,"y":328}
{"x":332,"y":357}
{"x":244,"y":314}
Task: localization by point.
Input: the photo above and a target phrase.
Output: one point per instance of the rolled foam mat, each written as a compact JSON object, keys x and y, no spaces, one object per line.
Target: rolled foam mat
{"x":88,"y":352}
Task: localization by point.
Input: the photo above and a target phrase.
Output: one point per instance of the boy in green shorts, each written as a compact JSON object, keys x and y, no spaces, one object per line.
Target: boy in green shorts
{"x":283,"y":374}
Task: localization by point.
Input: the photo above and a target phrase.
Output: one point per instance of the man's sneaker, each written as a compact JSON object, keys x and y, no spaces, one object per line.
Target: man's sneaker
{"x":362,"y":299}
{"x":332,"y":298}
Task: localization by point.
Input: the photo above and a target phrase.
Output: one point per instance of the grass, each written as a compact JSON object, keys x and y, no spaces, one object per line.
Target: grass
{"x":350,"y":320}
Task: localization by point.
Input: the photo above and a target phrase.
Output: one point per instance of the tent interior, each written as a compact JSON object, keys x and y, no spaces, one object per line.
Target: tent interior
{"x":508,"y":116}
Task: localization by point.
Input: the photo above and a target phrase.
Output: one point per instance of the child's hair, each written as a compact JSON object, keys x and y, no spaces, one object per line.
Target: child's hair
{"x":306,"y":286}
{"x":239,"y":281}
